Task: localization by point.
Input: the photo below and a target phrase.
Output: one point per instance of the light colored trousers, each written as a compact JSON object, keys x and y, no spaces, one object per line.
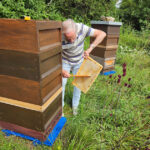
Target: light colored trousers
{"x":76,"y":91}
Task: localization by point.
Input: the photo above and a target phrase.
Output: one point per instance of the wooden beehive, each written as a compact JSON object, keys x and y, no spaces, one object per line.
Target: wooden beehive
{"x":30,"y":76}
{"x":105,"y":52}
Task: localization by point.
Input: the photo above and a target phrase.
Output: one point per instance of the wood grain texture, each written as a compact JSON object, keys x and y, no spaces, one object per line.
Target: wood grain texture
{"x":24,"y":35}
{"x":108,"y":69}
{"x":30,"y":118}
{"x":22,"y":78}
{"x":53,"y":123}
{"x":20,"y":89}
{"x":31,"y":106}
{"x":48,"y":37}
{"x":33,"y":133}
{"x":20,"y":64}
{"x":50,"y":51}
{"x":20,"y":116}
{"x":108,"y":40}
{"x":43,"y":25}
{"x":105,"y":62}
{"x":17,"y":34}
{"x":110,"y":30}
{"x":52,"y":110}
{"x":23,"y":130}
{"x":50,"y":75}
{"x":51,"y":87}
{"x":27,"y":65}
{"x":102,"y":52}
{"x":50,"y":63}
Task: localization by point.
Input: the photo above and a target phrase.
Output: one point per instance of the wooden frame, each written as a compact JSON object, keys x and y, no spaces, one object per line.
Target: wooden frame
{"x":88,"y":67}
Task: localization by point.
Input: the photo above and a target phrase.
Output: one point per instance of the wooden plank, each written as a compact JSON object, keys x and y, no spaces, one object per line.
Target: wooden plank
{"x":79,"y":75}
{"x":51,"y":50}
{"x":105,"y":62}
{"x":32,"y":119}
{"x":51,"y":99}
{"x":108,"y":69}
{"x":18,"y":35}
{"x":50,"y":63}
{"x":51,"y":111}
{"x":113,"y":30}
{"x":50,"y":75}
{"x":57,"y":82}
{"x":48,"y":37}
{"x":20,"y":104}
{"x":31,"y":106}
{"x":109,"y":29}
{"x":43,"y":25}
{"x":51,"y":120}
{"x":20,"y":89}
{"x":33,"y":133}
{"x":20,"y":64}
{"x":108,"y":40}
{"x":23,"y":130}
{"x":112,"y":41}
{"x":51,"y":93}
{"x":20,"y":116}
{"x":102,"y":52}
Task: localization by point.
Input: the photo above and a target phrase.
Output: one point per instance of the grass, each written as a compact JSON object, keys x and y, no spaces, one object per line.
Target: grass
{"x":111,"y":115}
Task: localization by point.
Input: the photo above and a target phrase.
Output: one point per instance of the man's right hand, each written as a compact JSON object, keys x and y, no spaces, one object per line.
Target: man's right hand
{"x":65,"y":74}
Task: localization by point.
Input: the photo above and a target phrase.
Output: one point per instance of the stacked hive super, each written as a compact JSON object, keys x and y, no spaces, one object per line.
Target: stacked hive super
{"x":30,"y":76}
{"x":105,"y":52}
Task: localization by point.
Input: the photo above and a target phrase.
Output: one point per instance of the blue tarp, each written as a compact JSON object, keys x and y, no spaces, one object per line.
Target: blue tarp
{"x":50,"y":139}
{"x":108,"y":73}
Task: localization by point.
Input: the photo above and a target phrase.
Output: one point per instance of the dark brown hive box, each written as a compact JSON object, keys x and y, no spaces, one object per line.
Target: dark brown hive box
{"x":30,"y":76}
{"x":105,"y":52}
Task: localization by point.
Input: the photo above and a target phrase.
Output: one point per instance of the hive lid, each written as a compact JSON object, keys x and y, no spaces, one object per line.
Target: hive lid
{"x":88,"y":67}
{"x":106,"y":23}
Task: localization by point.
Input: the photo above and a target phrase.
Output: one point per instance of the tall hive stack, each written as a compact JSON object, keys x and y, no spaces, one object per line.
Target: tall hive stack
{"x":105,"y":52}
{"x":30,"y":76}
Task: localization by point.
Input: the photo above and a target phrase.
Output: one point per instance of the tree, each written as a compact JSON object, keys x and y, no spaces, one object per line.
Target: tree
{"x":136,"y":13}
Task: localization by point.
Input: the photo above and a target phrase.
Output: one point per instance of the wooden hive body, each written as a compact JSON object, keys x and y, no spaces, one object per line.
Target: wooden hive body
{"x":108,"y":47}
{"x":30,"y":76}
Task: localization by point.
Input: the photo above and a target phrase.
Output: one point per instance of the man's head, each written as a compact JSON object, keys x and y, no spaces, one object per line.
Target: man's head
{"x":69,"y":30}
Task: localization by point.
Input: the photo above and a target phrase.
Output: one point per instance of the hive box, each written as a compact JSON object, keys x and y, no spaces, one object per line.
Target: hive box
{"x":30,"y":76}
{"x":105,"y":52}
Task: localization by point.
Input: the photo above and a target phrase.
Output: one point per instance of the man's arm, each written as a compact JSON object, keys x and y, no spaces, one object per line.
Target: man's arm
{"x":99,"y":35}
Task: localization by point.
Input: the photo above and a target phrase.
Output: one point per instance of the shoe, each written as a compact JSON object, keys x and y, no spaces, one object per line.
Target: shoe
{"x":75,"y":111}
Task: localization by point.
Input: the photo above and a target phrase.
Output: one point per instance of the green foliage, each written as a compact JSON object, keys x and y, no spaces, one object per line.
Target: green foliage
{"x":136,"y":13}
{"x":115,"y":114}
{"x":37,"y":9}
{"x":85,"y":10}
{"x":133,"y":40}
{"x":79,"y":10}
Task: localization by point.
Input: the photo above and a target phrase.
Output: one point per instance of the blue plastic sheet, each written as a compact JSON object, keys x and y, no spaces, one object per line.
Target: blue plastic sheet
{"x":50,"y":139}
{"x":108,"y":73}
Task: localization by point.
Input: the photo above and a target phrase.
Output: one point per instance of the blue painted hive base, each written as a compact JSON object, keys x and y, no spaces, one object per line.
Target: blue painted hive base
{"x":108,"y":73}
{"x":50,"y":139}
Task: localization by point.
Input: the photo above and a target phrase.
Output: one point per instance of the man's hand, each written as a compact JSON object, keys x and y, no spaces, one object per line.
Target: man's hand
{"x":65,"y":74}
{"x":86,"y":53}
